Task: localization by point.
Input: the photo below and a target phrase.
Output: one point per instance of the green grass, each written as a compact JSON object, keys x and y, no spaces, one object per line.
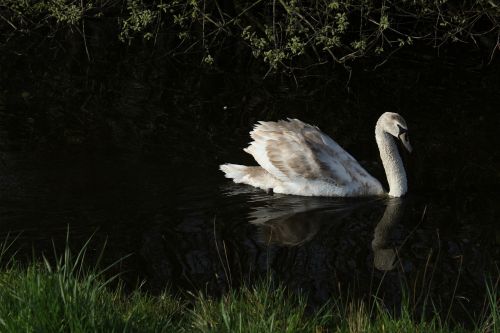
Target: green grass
{"x":66,"y":297}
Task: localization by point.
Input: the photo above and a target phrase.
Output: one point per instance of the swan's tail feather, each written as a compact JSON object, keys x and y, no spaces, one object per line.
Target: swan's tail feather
{"x":234,"y":171}
{"x":251,"y":175}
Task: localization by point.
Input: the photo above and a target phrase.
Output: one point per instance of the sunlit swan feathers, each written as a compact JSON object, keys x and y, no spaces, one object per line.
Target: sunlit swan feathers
{"x":297,"y":158}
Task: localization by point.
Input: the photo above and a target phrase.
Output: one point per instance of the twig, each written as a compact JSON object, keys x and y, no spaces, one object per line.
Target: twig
{"x":9,"y":22}
{"x":83,"y":32}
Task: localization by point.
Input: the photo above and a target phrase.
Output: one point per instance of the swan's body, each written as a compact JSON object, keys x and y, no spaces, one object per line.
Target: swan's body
{"x":297,"y":158}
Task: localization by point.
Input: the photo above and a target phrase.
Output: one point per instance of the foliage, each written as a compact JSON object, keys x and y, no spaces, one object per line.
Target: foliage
{"x":283,"y":33}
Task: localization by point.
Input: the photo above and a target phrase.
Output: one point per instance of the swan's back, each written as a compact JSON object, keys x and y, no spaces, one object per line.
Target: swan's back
{"x":300,"y":159}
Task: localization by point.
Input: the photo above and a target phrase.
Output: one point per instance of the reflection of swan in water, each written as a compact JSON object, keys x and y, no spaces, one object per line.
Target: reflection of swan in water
{"x":292,"y":221}
{"x":384,"y":258}
{"x":297,"y":158}
{"x":289,"y":222}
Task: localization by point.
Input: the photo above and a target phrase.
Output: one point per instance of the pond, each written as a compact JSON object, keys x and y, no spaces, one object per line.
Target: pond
{"x":182,"y":225}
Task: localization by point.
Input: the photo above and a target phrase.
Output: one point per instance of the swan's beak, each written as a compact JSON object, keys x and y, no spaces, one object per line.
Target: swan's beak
{"x":406,"y":141}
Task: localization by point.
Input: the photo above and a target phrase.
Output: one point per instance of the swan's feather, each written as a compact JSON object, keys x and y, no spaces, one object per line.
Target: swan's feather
{"x":251,"y":175}
{"x":306,"y":161}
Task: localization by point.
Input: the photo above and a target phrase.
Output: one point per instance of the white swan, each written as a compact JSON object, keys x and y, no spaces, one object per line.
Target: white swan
{"x":297,"y":158}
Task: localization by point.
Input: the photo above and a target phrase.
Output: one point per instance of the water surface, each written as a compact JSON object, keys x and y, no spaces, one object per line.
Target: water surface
{"x":190,"y":229}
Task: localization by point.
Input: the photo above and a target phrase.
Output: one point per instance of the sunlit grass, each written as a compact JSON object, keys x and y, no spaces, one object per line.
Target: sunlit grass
{"x":263,"y":308}
{"x":66,"y":296}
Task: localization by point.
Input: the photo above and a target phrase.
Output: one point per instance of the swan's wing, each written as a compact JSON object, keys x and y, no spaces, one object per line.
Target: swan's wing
{"x":292,"y":150}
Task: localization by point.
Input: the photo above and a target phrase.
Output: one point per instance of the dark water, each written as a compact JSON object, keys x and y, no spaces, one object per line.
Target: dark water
{"x":189,"y":228}
{"x":135,"y":166}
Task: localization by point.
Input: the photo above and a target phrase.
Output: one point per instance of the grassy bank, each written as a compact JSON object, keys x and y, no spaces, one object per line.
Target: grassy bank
{"x":65,"y":297}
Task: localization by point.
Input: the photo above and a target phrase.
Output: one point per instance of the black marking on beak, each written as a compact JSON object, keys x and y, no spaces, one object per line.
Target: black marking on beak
{"x":401,"y":130}
{"x":406,"y":141}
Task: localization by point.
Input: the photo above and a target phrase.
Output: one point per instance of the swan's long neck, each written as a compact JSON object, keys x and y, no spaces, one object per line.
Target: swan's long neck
{"x":393,"y":165}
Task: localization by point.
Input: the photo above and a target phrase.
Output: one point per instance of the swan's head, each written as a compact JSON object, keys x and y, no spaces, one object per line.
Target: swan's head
{"x":395,"y":125}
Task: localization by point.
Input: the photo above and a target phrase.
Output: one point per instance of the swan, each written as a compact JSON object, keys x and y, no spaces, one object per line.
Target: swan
{"x":297,"y":158}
